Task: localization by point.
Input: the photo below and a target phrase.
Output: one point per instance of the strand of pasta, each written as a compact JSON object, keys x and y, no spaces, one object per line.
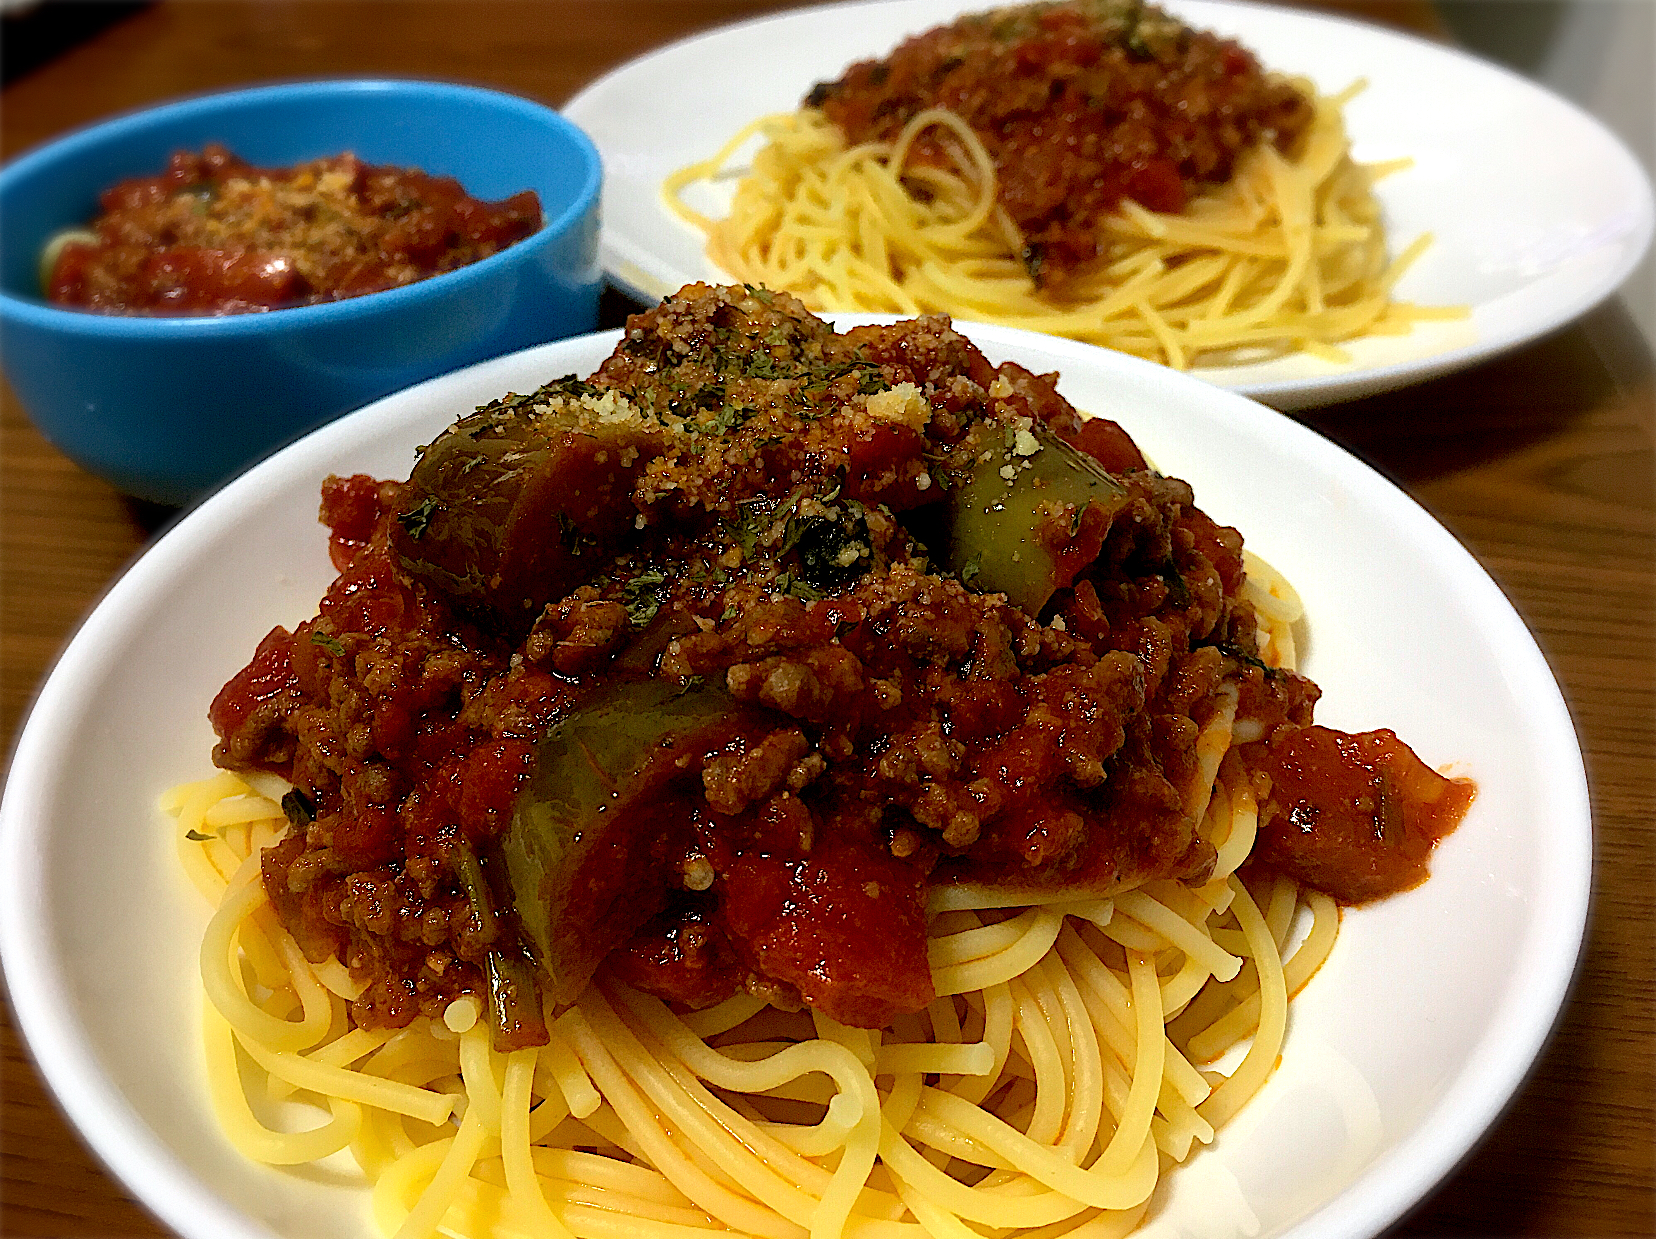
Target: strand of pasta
{"x":852,"y":1108}
{"x":606,"y":1174}
{"x":1042,"y":1051}
{"x":998,"y":1015}
{"x":1086,"y":1090}
{"x":1071,"y":1020}
{"x":1108,"y":1000}
{"x":1261,"y":1057}
{"x":329,"y":1081}
{"x":250,"y":1136}
{"x":1235,"y":788}
{"x":220,"y":973}
{"x":1133,"y":1129}
{"x":522,"y":1179}
{"x":917,"y":1176}
{"x":559,"y":1067}
{"x":1038,"y":934}
{"x":432,"y":1176}
{"x":1173,"y":928}
{"x":1282,"y":900}
{"x":1042,"y":1162}
{"x":1212,"y":743}
{"x":579,"y":1205}
{"x":1242,"y":1019}
{"x":635,"y":1103}
{"x":410,"y":1057}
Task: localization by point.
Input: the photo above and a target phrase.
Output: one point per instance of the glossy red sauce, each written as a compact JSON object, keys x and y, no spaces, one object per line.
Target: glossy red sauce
{"x":1356,"y":816}
{"x":215,"y":235}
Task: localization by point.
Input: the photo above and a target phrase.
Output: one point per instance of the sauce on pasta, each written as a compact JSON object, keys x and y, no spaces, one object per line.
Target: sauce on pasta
{"x":1080,"y":105}
{"x":721,"y":663}
{"x":1094,"y":169}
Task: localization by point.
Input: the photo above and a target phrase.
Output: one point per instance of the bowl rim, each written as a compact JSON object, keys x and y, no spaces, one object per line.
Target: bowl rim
{"x":41,"y":314}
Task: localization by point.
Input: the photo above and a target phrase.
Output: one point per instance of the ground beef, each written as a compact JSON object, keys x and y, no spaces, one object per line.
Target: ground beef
{"x":1080,"y":104}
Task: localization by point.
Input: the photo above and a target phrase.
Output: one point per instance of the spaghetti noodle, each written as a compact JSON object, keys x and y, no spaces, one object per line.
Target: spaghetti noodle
{"x":1090,"y":169}
{"x":1039,"y":1093}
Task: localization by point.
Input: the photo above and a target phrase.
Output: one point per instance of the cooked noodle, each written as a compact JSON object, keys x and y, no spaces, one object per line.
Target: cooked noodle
{"x":1041,"y":1092}
{"x":1289,"y":254}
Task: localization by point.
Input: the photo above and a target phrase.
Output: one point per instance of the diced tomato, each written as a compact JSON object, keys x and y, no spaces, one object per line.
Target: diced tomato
{"x":845,"y":926}
{"x":268,"y":677}
{"x":1354,"y":815}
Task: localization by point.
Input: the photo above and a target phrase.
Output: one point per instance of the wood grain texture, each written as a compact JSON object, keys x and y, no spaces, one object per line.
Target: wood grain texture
{"x":1540,"y":461}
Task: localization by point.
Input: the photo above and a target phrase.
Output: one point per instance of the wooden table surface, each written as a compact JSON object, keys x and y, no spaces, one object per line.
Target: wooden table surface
{"x":1540,"y":461}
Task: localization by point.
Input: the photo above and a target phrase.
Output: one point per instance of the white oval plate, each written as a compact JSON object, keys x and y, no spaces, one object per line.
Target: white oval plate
{"x":1402,"y":1049}
{"x":1538,"y":212}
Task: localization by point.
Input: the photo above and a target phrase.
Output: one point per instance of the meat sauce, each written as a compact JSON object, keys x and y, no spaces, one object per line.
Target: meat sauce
{"x":691,"y":666}
{"x":1080,"y":105}
{"x":215,"y":235}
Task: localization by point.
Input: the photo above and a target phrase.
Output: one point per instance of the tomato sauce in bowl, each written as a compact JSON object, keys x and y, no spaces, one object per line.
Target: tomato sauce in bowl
{"x":215,"y":235}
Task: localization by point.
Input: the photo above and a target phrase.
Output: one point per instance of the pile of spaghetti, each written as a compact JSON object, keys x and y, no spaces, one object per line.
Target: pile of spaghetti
{"x":789,"y":995}
{"x":1057,"y":1072}
{"x":1090,"y":169}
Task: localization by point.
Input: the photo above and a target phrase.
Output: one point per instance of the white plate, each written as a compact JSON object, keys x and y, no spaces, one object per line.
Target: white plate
{"x":1402,"y":1049}
{"x":1538,"y":212}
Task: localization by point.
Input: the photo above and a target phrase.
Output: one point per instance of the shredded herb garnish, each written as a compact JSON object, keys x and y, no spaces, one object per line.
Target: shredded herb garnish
{"x":300,"y":810}
{"x":746,"y":528}
{"x":331,"y":644}
{"x":760,"y":365}
{"x":569,"y":533}
{"x":1241,"y":656}
{"x":643,"y":596}
{"x":1176,"y":589}
{"x":418,"y":519}
{"x":570,"y":385}
{"x":729,"y":417}
{"x":832,"y":552}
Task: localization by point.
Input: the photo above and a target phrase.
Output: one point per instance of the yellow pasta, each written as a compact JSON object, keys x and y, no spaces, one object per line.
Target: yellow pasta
{"x":1289,"y":254}
{"x":1041,"y":1093}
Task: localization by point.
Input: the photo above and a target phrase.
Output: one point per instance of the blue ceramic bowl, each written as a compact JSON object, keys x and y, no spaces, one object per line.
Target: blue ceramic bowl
{"x":165,"y":408}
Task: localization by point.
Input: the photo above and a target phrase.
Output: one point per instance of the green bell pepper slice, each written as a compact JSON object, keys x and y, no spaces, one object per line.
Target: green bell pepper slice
{"x":579,"y":849}
{"x":1001,"y":504}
